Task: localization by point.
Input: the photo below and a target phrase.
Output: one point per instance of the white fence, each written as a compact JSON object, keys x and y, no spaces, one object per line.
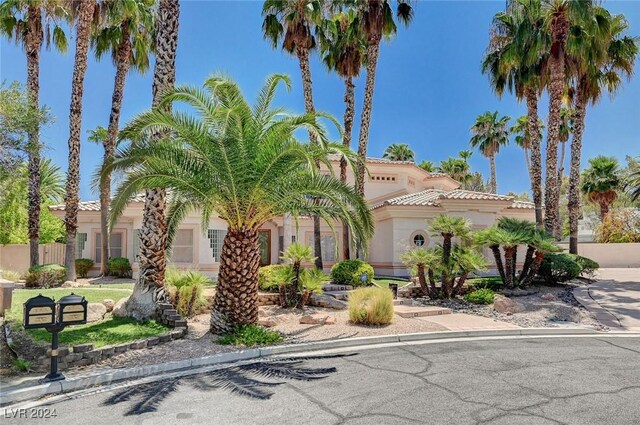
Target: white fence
{"x":16,"y":257}
{"x":610,"y":255}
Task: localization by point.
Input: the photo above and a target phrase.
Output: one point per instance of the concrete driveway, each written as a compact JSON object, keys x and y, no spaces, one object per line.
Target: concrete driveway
{"x":579,"y":380}
{"x":614,"y":299}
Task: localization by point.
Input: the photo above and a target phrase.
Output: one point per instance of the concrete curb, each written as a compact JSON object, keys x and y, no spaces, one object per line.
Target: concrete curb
{"x":10,"y":396}
{"x":583,"y":296}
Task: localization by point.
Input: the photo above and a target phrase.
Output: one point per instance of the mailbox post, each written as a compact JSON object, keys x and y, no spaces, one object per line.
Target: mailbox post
{"x":44,"y":312}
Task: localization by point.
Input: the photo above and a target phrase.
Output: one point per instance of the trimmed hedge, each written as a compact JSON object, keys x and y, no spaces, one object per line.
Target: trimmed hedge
{"x":119,"y":267}
{"x":45,"y":276}
{"x":559,"y":268}
{"x":83,"y":265}
{"x":349,"y":272}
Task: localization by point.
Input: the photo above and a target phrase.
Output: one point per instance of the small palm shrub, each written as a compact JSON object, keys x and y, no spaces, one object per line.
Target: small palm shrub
{"x":10,"y":275}
{"x":558,"y":268}
{"x":250,"y":335}
{"x":371,"y":306}
{"x":349,"y":272}
{"x":185,"y":291}
{"x":267,"y":277}
{"x":83,"y":265}
{"x":119,"y":267}
{"x":46,"y":276}
{"x":480,"y":296}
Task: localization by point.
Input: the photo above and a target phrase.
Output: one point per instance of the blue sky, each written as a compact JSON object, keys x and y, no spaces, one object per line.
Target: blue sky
{"x":429,"y":87}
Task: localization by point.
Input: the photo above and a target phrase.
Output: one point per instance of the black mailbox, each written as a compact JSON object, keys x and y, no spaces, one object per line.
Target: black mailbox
{"x":39,"y":312}
{"x":72,"y":310}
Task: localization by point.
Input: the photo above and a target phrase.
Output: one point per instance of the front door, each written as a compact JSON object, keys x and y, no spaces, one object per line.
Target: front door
{"x":264,"y":237}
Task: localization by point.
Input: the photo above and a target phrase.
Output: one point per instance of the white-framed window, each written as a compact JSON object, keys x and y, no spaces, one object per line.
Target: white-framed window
{"x":216,"y":238}
{"x":419,"y":240}
{"x":81,"y":240}
{"x":182,"y":251}
{"x":328,"y":246}
{"x":116,"y":242}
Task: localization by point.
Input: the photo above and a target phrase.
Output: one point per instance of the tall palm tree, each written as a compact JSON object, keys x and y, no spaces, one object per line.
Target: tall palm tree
{"x":560,"y":16}
{"x":601,"y":182}
{"x":343,"y":50}
{"x":515,"y":59}
{"x":399,"y":152}
{"x":84,"y":16}
{"x":566,"y":128}
{"x":465,"y":155}
{"x":457,"y":168}
{"x":243,"y":164}
{"x":29,"y":23}
{"x":601,"y":57}
{"x":293,"y":22}
{"x":522,"y":139}
{"x":149,"y":288}
{"x":376,"y":19}
{"x":633,"y":185}
{"x":127,"y":36}
{"x":490,"y":132}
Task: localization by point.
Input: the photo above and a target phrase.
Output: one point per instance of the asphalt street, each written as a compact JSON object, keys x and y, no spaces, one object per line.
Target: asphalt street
{"x":507,"y":381}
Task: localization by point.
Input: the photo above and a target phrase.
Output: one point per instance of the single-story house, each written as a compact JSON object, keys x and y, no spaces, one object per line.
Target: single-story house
{"x":402,"y":197}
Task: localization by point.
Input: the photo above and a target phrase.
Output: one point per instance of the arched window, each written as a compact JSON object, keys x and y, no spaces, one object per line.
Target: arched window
{"x":419,"y":240}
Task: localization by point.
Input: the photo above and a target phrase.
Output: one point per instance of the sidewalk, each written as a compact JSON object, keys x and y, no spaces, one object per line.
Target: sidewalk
{"x":614,"y":299}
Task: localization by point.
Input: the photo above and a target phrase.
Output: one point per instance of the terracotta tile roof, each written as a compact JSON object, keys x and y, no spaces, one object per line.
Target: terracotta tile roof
{"x":432,"y":197}
{"x":371,"y":160}
{"x":94,"y":205}
{"x":522,"y":205}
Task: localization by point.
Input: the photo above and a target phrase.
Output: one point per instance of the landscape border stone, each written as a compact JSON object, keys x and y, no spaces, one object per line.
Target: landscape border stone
{"x":11,"y":396}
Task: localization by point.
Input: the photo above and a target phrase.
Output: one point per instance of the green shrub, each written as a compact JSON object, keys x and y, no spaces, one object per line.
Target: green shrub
{"x":349,"y":272}
{"x":83,"y":265}
{"x":46,"y":276}
{"x":494,"y":283}
{"x":22,"y":365}
{"x":185,"y":291}
{"x":558,"y":268}
{"x":11,"y":276}
{"x":268,"y":277}
{"x":480,"y":296}
{"x":588,"y":266}
{"x":119,"y":267}
{"x":250,"y":335}
{"x":371,"y":306}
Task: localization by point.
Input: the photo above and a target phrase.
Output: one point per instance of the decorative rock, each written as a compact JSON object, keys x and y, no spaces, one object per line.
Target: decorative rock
{"x":575,"y":315}
{"x":267,"y":322}
{"x":92,"y":356}
{"x":164,"y":338}
{"x":177,"y":334}
{"x":502,"y":304}
{"x":548,"y":297}
{"x":108,"y":352}
{"x":330,"y":320}
{"x":118,"y":308}
{"x":120,"y":348}
{"x":109,"y":304}
{"x":62,"y":351}
{"x":153,"y":341}
{"x":316,"y":319}
{"x":73,"y":357}
{"x":72,"y":284}
{"x":82,"y":348}
{"x":327,"y":302}
{"x":136,"y":345}
{"x":95,"y":312}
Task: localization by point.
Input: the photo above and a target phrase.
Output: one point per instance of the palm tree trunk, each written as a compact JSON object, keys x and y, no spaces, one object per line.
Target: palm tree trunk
{"x":122,"y":68}
{"x":33,"y":47}
{"x":535,"y":266}
{"x":557,"y":225}
{"x":236,"y":299}
{"x":527,"y":159}
{"x":149,"y":287}
{"x":574,"y":172}
{"x":349,"y":112}
{"x":422,"y":279}
{"x":457,"y":289}
{"x":83,"y":33}
{"x":536,"y":152}
{"x":514,"y":266}
{"x":556,"y":90}
{"x":493,"y":183}
{"x":307,"y":89}
{"x":604,"y":209}
{"x":495,"y":249}
{"x":508,"y":266}
{"x":528,"y":260}
{"x":373,"y":51}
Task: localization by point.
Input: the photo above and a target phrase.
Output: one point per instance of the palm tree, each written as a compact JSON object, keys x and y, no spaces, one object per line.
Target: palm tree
{"x":428,"y":166}
{"x":149,"y":287}
{"x":84,"y":15}
{"x":600,"y":60}
{"x":490,"y":132}
{"x":293,"y":22}
{"x":399,"y":152}
{"x":457,"y":168}
{"x":516,"y":56}
{"x":560,"y":15}
{"x":601,"y":182}
{"x":423,"y":262}
{"x":632,"y":185}
{"x":522,"y":139}
{"x":343,"y":49}
{"x":296,"y":254}
{"x":29,"y":23}
{"x":376,"y":19}
{"x":242,"y":164}
{"x":465,"y":155}
{"x":566,"y":128}
{"x":127,"y":37}
{"x":449,"y":227}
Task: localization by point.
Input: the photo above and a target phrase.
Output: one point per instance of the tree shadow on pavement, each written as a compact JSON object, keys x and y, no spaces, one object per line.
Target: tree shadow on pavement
{"x":253,"y":380}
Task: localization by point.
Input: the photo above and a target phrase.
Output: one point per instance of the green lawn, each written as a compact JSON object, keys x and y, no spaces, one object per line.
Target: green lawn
{"x":386,"y":281}
{"x":114,"y":330}
{"x":128,"y":286}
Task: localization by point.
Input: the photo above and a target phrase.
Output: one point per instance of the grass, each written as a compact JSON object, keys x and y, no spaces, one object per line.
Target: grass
{"x":22,"y":365}
{"x":250,"y":335}
{"x":384,"y":283}
{"x":128,"y":286}
{"x":371,"y":306}
{"x":112,"y":331}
